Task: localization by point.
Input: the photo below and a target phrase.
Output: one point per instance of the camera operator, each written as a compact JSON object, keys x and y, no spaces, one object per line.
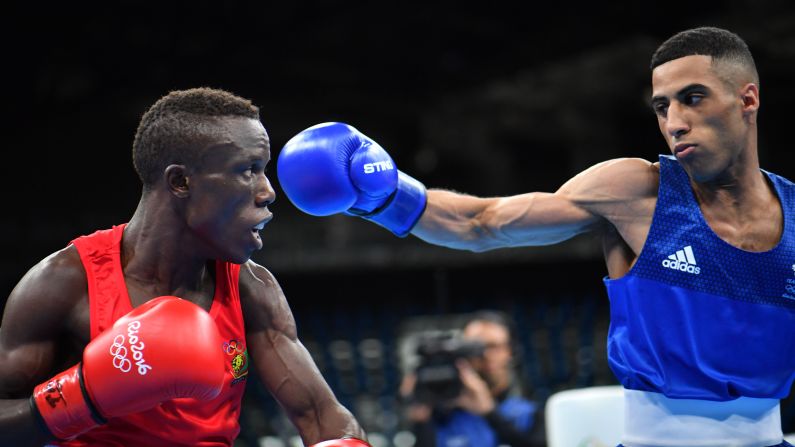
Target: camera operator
{"x":483,"y":405}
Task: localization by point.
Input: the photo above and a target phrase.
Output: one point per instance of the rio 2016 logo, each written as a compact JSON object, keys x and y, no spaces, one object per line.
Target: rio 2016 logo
{"x":119,"y":351}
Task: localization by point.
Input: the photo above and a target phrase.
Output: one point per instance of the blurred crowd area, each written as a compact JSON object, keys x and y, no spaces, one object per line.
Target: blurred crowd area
{"x":364,"y":352}
{"x":364,"y":339}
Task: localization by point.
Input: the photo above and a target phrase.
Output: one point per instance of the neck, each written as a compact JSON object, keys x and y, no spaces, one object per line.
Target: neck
{"x":154,"y":253}
{"x":742,"y":208}
{"x":740,"y":186}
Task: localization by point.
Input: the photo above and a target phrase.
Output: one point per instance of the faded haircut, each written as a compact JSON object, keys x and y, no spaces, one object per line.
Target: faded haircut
{"x":722,"y":45}
{"x":175,"y":127}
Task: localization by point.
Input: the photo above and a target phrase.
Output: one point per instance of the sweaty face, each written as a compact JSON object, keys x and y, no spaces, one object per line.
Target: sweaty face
{"x":700,"y":116}
{"x":494,"y":366}
{"x":229,"y":193}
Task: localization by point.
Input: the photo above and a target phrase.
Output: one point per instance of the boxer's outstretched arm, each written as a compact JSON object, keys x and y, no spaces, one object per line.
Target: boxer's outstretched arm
{"x":285,"y":366}
{"x":333,"y":168}
{"x":596,"y":196}
{"x":33,"y":324}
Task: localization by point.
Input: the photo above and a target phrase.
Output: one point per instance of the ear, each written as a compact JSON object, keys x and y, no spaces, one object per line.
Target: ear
{"x":177,"y":180}
{"x":749,"y":94}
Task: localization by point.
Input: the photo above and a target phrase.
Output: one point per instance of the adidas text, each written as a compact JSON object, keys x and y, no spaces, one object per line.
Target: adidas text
{"x":683,"y":266}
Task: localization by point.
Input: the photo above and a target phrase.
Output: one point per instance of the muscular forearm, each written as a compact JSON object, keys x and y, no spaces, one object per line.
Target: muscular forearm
{"x":533,"y":219}
{"x":455,"y":220}
{"x":17,"y":424}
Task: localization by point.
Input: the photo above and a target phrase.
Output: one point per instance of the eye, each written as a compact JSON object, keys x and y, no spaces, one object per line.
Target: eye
{"x":692,"y":99}
{"x":256,"y":169}
{"x":249,"y":171}
{"x":661,"y":109}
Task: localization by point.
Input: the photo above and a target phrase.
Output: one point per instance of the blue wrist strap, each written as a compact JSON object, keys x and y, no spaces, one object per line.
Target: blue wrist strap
{"x":404,"y":208}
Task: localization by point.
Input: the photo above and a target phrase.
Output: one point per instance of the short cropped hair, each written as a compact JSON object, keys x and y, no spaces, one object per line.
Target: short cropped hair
{"x":178,"y":124}
{"x":721,"y":44}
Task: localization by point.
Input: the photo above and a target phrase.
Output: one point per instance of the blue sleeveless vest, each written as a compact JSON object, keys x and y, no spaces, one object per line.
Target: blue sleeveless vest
{"x":697,"y":318}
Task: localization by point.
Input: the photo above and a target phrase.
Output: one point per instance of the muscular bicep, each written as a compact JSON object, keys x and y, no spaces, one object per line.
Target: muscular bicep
{"x":34,"y":332}
{"x":478,"y":224}
{"x":22,"y":364}
{"x":536,"y":219}
{"x":586,"y":202}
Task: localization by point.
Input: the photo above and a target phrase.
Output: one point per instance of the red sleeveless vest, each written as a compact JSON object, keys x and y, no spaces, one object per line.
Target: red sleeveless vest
{"x":179,"y":422}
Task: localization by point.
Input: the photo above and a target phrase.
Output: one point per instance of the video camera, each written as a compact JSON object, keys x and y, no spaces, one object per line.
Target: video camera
{"x":438,"y":379}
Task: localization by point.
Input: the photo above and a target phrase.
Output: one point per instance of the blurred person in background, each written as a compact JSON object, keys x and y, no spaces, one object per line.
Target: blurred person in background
{"x":488,"y":407}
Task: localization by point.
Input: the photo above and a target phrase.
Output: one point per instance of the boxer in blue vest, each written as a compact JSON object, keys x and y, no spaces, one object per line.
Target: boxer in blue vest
{"x":699,"y":245}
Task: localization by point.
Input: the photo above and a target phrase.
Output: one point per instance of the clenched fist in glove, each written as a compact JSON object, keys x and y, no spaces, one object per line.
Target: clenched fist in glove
{"x":333,"y":168}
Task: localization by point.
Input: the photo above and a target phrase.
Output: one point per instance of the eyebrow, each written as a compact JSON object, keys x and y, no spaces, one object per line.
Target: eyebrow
{"x":687,"y":89}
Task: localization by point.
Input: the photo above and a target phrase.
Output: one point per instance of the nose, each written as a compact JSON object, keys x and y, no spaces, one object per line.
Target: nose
{"x":265,"y":193}
{"x":676,"y":123}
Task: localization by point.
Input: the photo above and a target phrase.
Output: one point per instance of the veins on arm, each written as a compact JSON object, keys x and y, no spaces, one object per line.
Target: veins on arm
{"x":283,"y":363}
{"x":605,"y":194}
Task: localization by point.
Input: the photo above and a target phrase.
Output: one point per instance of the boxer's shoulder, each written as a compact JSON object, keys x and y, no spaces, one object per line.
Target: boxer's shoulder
{"x":633,"y":178}
{"x":256,"y":275}
{"x":613,"y":183}
{"x":52,"y":289}
{"x":40,"y":317}
{"x":641,"y":174}
{"x":262,"y":299}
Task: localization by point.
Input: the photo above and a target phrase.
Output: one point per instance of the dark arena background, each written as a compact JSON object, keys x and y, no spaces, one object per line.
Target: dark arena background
{"x":495,"y":98}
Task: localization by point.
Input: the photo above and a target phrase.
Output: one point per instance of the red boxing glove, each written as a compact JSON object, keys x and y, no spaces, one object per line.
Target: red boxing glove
{"x":166,"y":348}
{"x":346,"y":442}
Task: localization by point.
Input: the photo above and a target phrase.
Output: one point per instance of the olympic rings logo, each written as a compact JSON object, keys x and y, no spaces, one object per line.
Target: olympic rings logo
{"x":233,"y":346}
{"x":119,"y":351}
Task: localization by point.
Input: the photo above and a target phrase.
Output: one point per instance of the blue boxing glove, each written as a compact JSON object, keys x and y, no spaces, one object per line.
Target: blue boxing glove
{"x":333,"y":168}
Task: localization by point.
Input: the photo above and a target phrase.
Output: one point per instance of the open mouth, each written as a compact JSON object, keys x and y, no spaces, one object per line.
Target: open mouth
{"x":258,"y":227}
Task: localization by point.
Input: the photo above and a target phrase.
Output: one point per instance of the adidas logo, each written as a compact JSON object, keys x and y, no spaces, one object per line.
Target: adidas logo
{"x":682,"y":260}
